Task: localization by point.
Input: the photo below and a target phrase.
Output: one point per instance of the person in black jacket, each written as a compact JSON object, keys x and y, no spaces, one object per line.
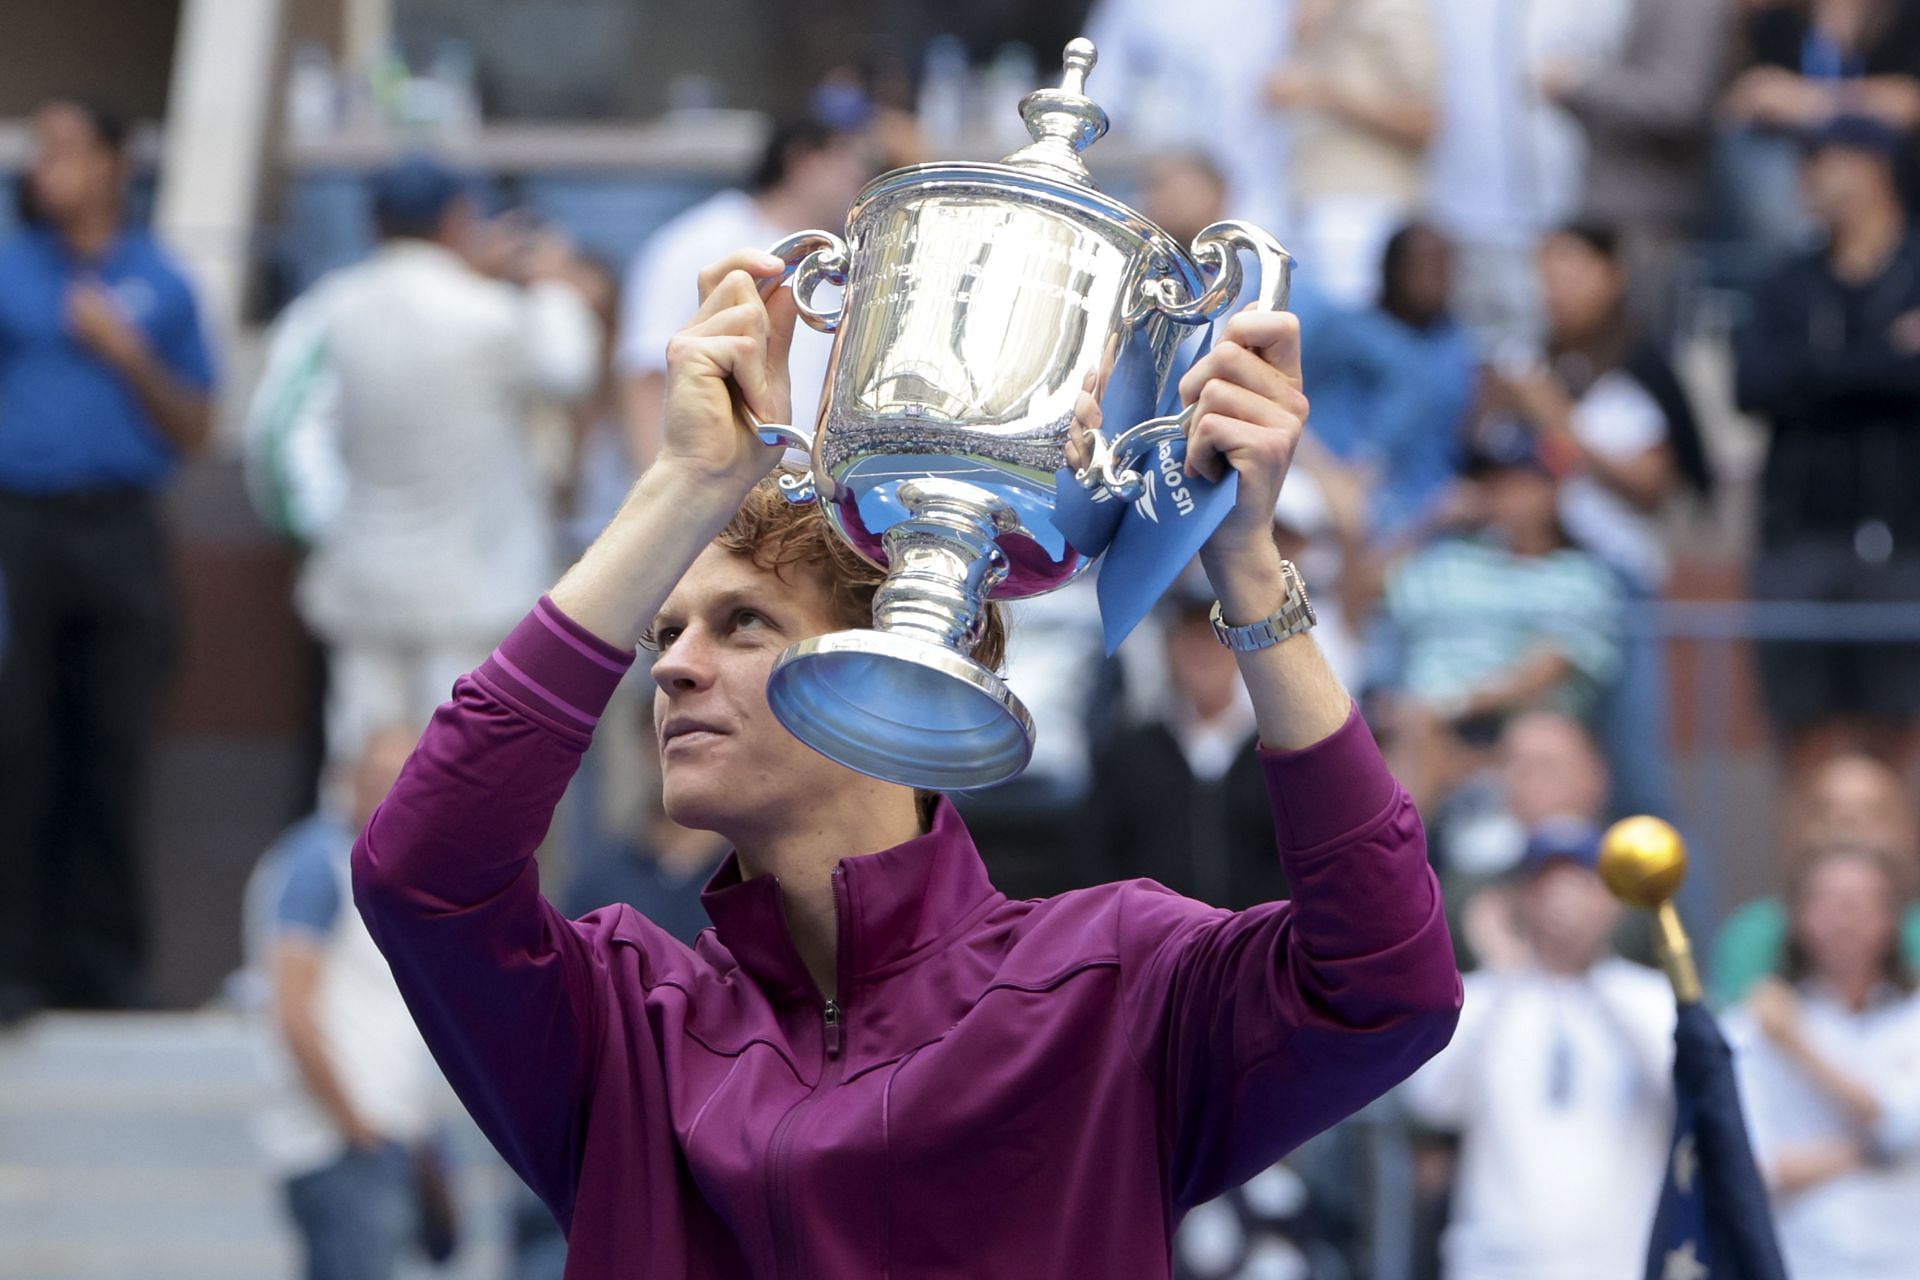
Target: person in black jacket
{"x":1830,"y":358}
{"x":1178,"y":798}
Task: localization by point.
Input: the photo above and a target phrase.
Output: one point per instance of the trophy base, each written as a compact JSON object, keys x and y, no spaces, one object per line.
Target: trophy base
{"x":901,"y":709}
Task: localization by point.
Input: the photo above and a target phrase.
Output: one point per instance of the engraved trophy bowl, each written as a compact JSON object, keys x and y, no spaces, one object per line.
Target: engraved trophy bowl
{"x":990,"y":312}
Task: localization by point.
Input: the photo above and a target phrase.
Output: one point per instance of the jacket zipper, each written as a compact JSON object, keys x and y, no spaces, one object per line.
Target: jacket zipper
{"x":831,"y":1029}
{"x":786,"y":1245}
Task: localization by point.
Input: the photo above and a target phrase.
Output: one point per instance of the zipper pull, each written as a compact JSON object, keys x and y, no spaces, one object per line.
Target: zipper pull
{"x":832,"y":1015}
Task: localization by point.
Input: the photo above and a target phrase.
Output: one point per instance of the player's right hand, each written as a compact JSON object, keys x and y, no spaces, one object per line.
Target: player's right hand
{"x":737,"y":339}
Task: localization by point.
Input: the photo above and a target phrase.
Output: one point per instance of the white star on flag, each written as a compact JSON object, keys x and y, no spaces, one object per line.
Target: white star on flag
{"x":1683,"y":1265}
{"x":1685,"y":1164}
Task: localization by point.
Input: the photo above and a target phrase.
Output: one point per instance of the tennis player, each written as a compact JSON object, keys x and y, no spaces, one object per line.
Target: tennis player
{"x":875,"y":1064}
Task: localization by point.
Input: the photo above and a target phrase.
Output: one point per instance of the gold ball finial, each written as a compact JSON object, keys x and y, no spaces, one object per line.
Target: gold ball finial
{"x":1643,"y":861}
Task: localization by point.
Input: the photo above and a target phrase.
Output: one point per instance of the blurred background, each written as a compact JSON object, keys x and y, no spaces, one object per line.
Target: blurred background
{"x":1611,"y":505}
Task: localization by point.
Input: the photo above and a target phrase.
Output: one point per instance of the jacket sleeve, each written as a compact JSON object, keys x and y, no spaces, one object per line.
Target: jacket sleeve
{"x":1263,"y":1027}
{"x":500,"y":983}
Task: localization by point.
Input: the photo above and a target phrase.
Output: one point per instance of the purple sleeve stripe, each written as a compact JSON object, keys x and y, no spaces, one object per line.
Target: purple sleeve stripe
{"x":553,"y":699}
{"x":588,"y":646}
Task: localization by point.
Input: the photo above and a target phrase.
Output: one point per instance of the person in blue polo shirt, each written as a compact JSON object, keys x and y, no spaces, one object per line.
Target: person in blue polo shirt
{"x":105,"y":385}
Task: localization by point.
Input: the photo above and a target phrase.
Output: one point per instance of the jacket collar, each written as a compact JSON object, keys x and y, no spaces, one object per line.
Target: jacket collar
{"x":894,"y":906}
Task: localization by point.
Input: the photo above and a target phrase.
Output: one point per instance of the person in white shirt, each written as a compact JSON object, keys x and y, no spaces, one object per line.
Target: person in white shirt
{"x":1828,"y":1057}
{"x":405,"y":383}
{"x":353,"y":1094}
{"x":806,"y":178}
{"x":1558,"y":1081}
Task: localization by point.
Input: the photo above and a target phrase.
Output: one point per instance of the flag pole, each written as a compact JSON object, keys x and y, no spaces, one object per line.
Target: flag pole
{"x":1643,"y":862}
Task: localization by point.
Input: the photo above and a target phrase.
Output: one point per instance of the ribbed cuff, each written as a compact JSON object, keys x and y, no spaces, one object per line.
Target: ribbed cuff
{"x":556,"y":667}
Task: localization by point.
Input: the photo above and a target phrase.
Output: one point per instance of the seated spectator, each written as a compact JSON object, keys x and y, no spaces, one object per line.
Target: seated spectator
{"x":1851,"y":802}
{"x":1359,"y":90}
{"x":1829,"y":1061}
{"x":1393,"y":382}
{"x":1646,"y":113}
{"x":1178,"y":798}
{"x":1616,"y":425}
{"x":1809,"y":63}
{"x":1507,"y":618}
{"x":660,"y":875}
{"x":1183,"y":192}
{"x":353,"y":1093}
{"x":1547,"y":769}
{"x":1557,"y":1082}
{"x":1830,"y":359}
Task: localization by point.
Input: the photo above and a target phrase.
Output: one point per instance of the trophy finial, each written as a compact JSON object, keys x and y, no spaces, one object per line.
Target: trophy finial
{"x":1080,"y":57}
{"x":1064,"y":121}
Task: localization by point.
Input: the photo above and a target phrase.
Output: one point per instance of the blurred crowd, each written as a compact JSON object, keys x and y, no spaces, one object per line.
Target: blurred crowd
{"x":1505,"y":216}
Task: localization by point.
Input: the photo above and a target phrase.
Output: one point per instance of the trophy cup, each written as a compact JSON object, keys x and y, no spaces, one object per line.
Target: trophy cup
{"x":980,"y":302}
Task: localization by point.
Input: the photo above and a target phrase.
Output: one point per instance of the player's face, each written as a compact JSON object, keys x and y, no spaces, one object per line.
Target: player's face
{"x":726,"y":764}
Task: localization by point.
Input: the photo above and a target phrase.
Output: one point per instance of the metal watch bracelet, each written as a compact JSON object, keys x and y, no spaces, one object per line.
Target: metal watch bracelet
{"x":1294,"y":615}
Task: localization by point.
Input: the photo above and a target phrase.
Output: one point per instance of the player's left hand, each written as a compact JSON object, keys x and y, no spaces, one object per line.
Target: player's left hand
{"x":1249,"y":415}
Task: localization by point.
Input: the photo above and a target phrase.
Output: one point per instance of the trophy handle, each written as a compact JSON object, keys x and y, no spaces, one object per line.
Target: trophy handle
{"x":812,"y":257}
{"x":1114,"y":464}
{"x":1217,"y":249}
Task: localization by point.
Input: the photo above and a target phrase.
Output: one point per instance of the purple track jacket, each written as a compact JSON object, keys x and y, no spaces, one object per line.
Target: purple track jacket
{"x":1009,"y":1088}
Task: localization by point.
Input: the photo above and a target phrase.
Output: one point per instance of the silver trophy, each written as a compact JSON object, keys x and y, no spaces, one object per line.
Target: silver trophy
{"x":989,"y":313}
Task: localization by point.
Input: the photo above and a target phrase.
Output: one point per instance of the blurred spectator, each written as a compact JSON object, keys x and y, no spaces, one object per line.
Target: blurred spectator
{"x":1829,"y":1063}
{"x":1850,"y":802}
{"x":660,"y":875}
{"x":1393,"y":381}
{"x":1615,"y":423}
{"x":1192,"y":76}
{"x":1030,"y":830}
{"x":1547,"y":769}
{"x":1183,"y":192}
{"x":1811,"y":62}
{"x":1359,"y":92}
{"x":1557,"y":1081}
{"x":1178,"y":798}
{"x":353,"y":1089}
{"x":1508,"y":162}
{"x":105,"y":384}
{"x":807,"y":177}
{"x":1830,"y":358}
{"x":1494,"y":622}
{"x":430,"y":353}
{"x":1646,"y":113}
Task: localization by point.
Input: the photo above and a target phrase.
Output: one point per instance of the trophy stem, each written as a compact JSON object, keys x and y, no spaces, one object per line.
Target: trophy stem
{"x":945,"y":562}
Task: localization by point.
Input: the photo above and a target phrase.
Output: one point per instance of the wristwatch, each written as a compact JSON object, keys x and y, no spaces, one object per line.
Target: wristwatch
{"x":1294,"y":615}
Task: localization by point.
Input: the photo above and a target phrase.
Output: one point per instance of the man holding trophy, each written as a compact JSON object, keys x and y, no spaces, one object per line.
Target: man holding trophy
{"x":876,"y":1063}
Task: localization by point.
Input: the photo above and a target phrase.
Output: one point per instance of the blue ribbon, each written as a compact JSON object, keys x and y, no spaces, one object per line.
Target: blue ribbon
{"x":1146,"y":543}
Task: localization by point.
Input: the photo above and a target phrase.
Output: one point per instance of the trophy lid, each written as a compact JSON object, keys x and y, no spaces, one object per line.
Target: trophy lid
{"x":1064,"y":121}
